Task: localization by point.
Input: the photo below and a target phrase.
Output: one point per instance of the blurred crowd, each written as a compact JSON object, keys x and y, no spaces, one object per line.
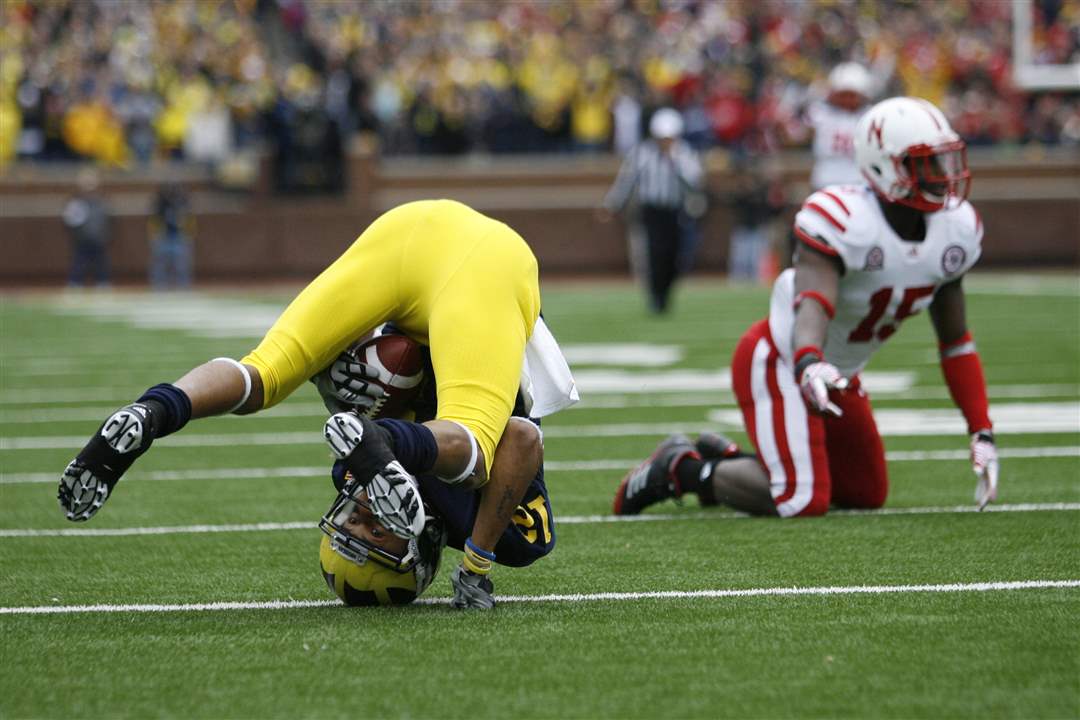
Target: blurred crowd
{"x":128,"y":82}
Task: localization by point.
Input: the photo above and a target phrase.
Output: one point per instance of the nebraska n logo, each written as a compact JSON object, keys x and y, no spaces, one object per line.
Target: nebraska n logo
{"x":875,"y":131}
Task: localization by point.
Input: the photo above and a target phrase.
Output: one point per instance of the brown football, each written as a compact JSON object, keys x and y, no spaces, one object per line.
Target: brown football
{"x":399,"y":360}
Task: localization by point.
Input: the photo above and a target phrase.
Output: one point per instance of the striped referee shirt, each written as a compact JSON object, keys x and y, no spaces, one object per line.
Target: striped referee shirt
{"x":660,"y":179}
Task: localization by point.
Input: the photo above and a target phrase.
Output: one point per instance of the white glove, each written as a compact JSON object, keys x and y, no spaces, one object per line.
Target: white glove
{"x":816,"y":381}
{"x":393,"y":494}
{"x":346,"y":385}
{"x":984,"y":461}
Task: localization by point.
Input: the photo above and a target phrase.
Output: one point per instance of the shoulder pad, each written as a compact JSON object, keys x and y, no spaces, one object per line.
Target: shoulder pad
{"x":966,"y":225}
{"x":837,"y":221}
{"x":963,"y":241}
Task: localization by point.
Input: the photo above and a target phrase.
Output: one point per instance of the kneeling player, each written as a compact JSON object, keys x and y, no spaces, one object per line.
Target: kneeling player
{"x":869,"y":257}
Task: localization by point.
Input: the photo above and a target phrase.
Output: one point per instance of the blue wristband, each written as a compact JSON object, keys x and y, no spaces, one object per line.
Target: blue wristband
{"x":482,"y":553}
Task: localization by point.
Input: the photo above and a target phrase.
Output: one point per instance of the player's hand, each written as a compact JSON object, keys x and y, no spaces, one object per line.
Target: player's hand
{"x":816,"y":381}
{"x":984,"y":461}
{"x":471,"y":590}
{"x":347,"y":385}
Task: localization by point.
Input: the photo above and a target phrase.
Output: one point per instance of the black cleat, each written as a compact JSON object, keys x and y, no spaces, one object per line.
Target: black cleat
{"x":89,"y":479}
{"x":655,"y":479}
{"x":714,"y":446}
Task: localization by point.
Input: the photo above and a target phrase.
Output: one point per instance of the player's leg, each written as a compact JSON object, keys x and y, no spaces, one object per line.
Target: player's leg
{"x":790,"y":475}
{"x":856,"y":454}
{"x":479,"y":325}
{"x":213,"y":388}
{"x":337,"y":307}
{"x":790,"y":441}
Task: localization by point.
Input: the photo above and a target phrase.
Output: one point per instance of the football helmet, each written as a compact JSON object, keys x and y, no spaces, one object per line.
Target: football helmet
{"x":909,"y":154}
{"x":362,"y":573}
{"x":851,"y":77}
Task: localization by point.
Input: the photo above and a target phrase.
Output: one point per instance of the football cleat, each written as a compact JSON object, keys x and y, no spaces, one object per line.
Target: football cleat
{"x":393,"y":494}
{"x":89,"y":479}
{"x":471,"y":590}
{"x":714,"y":446}
{"x":655,"y":479}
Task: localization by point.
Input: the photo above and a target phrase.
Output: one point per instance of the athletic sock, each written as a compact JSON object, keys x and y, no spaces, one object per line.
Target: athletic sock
{"x":705,"y":492}
{"x":170,"y":408}
{"x":413,"y":444}
{"x":688,"y":471}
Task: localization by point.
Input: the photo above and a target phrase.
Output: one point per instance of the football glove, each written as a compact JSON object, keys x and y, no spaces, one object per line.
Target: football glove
{"x":816,"y":381}
{"x":471,"y":590}
{"x":984,"y":461}
{"x":347,"y":385}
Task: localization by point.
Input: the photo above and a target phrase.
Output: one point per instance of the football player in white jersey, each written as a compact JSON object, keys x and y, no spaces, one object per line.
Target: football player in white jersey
{"x":834,"y":120}
{"x":869,"y":256}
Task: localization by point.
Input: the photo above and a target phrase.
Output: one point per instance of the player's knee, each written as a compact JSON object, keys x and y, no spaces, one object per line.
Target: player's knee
{"x":867,"y":499}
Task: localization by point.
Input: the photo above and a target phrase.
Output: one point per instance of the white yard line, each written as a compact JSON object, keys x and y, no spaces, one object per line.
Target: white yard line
{"x":257,"y":473}
{"x":263,"y":473}
{"x":990,"y":586}
{"x":1009,"y":419}
{"x":82,"y":413}
{"x":559,"y":520}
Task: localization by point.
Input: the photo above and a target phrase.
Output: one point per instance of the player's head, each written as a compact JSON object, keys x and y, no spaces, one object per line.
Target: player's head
{"x":909,"y":154}
{"x":366,"y":564}
{"x":850,"y":86}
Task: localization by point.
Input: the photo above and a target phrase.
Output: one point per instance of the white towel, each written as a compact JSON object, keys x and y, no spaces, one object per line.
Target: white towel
{"x":546,"y":382}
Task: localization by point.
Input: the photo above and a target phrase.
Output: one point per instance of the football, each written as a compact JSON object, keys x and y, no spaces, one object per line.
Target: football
{"x":399,"y":361}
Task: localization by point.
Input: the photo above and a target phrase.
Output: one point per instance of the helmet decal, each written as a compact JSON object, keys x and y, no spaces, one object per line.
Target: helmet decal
{"x":876,"y":126}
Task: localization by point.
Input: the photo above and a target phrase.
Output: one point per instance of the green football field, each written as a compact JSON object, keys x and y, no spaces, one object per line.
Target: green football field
{"x":196,"y":591}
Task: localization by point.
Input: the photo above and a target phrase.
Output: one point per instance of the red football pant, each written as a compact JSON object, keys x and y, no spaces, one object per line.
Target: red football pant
{"x":812,"y":460}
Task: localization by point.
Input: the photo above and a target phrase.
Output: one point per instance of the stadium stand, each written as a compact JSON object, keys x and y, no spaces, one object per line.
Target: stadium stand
{"x":514,"y":108}
{"x":130,"y":82}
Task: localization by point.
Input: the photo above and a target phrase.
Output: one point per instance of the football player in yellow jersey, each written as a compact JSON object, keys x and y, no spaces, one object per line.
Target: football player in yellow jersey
{"x":449,"y":277}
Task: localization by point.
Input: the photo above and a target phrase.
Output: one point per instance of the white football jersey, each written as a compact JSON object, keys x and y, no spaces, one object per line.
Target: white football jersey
{"x":834,"y":146}
{"x":885,"y":279}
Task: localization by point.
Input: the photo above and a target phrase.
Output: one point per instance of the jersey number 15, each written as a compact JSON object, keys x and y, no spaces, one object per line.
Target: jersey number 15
{"x":879,"y":303}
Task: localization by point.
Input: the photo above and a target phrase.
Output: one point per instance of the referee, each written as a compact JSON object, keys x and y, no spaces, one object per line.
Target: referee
{"x":664,"y":172}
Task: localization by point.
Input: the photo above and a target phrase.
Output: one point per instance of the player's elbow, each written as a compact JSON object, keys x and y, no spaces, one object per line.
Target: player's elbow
{"x":523,"y":439}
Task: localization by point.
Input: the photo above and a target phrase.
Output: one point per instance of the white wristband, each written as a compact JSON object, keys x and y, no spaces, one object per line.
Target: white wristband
{"x":472,"y":458}
{"x":247,"y":381}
